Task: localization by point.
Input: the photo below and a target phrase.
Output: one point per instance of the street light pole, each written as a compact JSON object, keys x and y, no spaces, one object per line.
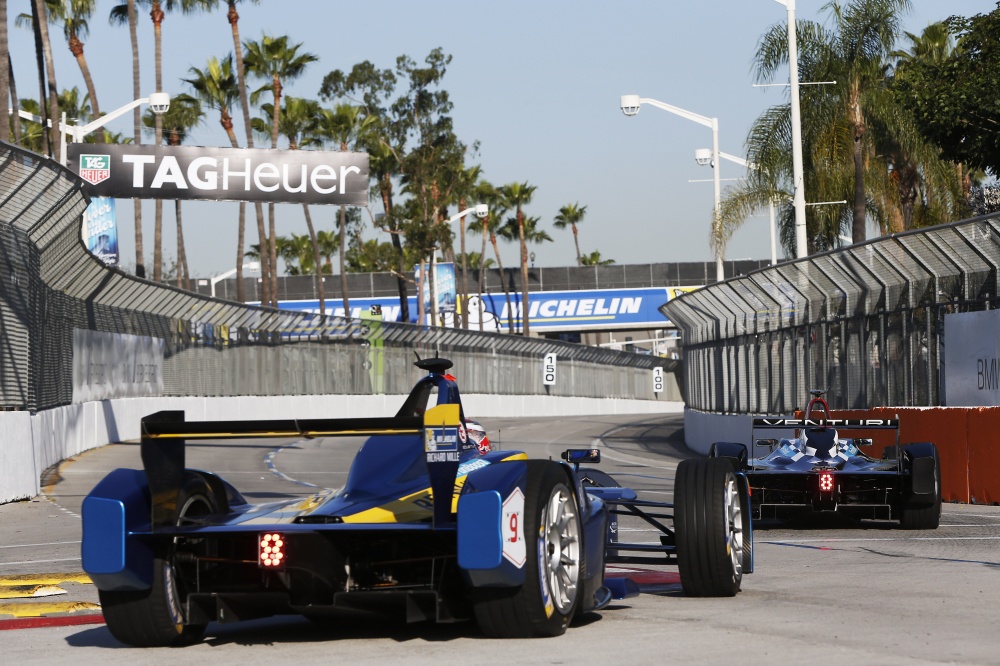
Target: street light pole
{"x":250,"y":265}
{"x":799,"y":195}
{"x":158,"y":101}
{"x":630,"y":106}
{"x":481,"y":211}
{"x":739,"y":160}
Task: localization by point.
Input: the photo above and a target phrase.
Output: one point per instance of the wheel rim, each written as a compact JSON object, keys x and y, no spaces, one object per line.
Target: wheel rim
{"x":562,"y":549}
{"x":734,"y":527}
{"x":183,"y":577}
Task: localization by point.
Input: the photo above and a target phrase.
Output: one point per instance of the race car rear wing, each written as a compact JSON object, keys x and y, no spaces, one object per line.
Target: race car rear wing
{"x":779,"y":423}
{"x":782,"y":423}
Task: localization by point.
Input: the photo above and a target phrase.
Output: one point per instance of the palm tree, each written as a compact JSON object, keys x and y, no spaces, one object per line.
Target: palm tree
{"x":5,"y":76}
{"x":75,"y":15}
{"x":185,"y":113}
{"x":488,"y":227}
{"x":272,"y":58}
{"x":298,"y":123}
{"x":347,"y":126}
{"x":594,"y":259}
{"x":571,"y":215}
{"x":465,"y":188}
{"x":241,"y":81}
{"x":519,"y":195}
{"x":329,"y":243}
{"x":854,"y":53}
{"x":39,"y":17}
{"x":124,"y":13}
{"x":216,"y":86}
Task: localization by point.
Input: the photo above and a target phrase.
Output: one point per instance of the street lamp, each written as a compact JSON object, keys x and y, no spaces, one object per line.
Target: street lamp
{"x":481,"y":211}
{"x":798,"y":188}
{"x":250,"y":265}
{"x":159,"y":102}
{"x":630,"y":106}
{"x":703,"y":156}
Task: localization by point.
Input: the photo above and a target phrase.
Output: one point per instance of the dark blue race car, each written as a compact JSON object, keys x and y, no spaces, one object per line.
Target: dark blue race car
{"x":429,"y":526}
{"x":817,"y":470}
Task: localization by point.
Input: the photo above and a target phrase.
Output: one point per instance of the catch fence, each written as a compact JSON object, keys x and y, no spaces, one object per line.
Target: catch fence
{"x":51,"y":285}
{"x":865,"y":322}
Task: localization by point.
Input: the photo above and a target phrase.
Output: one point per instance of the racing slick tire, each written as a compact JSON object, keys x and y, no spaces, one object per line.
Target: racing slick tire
{"x":709,"y":527}
{"x":156,"y":617}
{"x":922,"y":511}
{"x":545,"y":603}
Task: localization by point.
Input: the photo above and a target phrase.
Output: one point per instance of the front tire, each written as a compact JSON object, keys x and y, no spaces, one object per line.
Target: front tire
{"x":709,"y":527}
{"x":156,"y":617}
{"x":545,"y":604}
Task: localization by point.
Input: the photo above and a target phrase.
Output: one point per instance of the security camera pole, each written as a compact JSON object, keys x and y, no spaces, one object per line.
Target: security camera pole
{"x":481,"y":211}
{"x":630,"y":106}
{"x":158,"y":101}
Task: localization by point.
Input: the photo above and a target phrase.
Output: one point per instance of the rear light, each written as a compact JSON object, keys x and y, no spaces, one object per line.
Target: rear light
{"x":826,"y":482}
{"x":271,"y":550}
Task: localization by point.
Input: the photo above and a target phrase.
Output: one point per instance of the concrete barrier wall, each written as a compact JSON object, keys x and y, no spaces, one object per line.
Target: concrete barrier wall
{"x":31,"y":443}
{"x":967,"y":439}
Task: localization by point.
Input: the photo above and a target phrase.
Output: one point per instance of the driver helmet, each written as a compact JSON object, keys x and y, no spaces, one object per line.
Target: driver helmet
{"x":478,"y":436}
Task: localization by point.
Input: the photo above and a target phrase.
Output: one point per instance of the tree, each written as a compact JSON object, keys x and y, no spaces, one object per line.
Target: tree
{"x":465,"y":192}
{"x":217,"y":87}
{"x":298,"y":122}
{"x":5,"y":76}
{"x":570,"y":216}
{"x":954,"y":97}
{"x":855,"y":55}
{"x":124,"y":13}
{"x":39,"y":19}
{"x":594,"y":259}
{"x":346,"y":126}
{"x":75,"y":15}
{"x":489,"y":227}
{"x":517,"y":196}
{"x":274,"y":59}
{"x":185,"y":113}
{"x":234,"y":19}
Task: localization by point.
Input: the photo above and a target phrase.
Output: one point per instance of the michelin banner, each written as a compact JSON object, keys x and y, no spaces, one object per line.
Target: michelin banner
{"x":115,"y":365}
{"x":237,"y":174}
{"x":549,"y":311}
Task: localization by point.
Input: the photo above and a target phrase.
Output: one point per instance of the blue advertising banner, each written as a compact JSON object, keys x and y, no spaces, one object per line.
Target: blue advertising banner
{"x":100,"y":233}
{"x":444,"y":287}
{"x":591,"y":309}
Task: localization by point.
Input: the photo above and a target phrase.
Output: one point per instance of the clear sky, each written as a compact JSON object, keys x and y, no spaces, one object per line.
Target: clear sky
{"x":536,"y":83}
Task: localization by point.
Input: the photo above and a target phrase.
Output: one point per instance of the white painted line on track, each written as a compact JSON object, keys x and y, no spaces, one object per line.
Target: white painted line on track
{"x":846,"y":539}
{"x":62,"y":559}
{"x":32,"y":545}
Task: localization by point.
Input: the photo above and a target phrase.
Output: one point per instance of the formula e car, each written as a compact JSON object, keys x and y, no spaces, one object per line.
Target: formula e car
{"x":818,"y":471}
{"x":434,"y":523}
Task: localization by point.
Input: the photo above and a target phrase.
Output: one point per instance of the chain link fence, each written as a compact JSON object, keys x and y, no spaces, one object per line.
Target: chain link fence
{"x":50,"y":285}
{"x":866,"y":323}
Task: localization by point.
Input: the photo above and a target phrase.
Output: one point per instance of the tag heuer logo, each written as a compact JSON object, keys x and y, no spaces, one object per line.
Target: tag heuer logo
{"x":95,"y":168}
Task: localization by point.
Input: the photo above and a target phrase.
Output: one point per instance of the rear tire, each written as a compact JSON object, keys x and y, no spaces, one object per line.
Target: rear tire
{"x":156,"y":617}
{"x":709,"y":527}
{"x":923,"y":515}
{"x":545,"y":604}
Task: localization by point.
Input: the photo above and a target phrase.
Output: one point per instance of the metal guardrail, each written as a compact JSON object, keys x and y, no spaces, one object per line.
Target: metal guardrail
{"x":50,"y":285}
{"x":865,"y":322}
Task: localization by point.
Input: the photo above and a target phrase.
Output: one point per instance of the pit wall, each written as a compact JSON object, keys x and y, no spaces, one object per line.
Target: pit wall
{"x":967,"y":439}
{"x":34,"y":442}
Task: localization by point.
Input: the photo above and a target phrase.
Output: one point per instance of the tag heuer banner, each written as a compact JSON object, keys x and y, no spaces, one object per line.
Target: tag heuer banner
{"x":237,"y":174}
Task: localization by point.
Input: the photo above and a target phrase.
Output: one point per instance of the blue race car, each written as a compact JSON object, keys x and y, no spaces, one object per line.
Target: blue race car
{"x":817,"y":470}
{"x":432,"y":524}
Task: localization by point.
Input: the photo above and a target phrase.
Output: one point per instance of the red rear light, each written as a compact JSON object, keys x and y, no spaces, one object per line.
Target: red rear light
{"x":271,"y":550}
{"x":826,"y":481}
